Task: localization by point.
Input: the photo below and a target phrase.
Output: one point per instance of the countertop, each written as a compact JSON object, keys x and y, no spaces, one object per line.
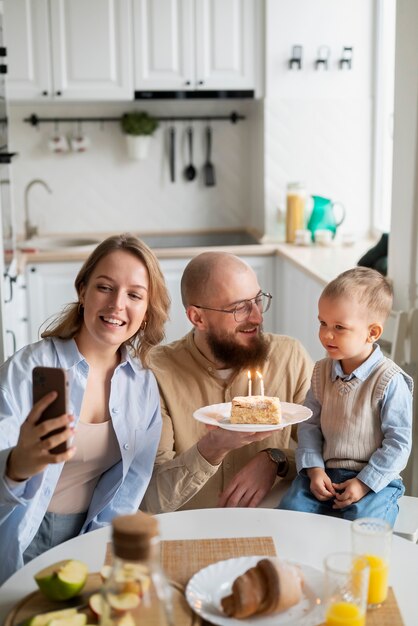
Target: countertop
{"x":322,"y":263}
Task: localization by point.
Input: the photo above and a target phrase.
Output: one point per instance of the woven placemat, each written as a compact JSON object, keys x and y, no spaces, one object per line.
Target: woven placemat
{"x":183,"y":558}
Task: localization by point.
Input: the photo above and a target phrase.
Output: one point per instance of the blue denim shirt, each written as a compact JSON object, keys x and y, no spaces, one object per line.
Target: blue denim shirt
{"x":390,"y":459}
{"x":134,"y":407}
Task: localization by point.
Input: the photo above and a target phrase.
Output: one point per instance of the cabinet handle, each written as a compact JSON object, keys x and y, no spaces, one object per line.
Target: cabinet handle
{"x":44,"y":93}
{"x":187,"y":82}
{"x":3,"y":51}
{"x":3,"y":69}
{"x":10,"y":332}
{"x":58,"y":93}
{"x":200,"y":82}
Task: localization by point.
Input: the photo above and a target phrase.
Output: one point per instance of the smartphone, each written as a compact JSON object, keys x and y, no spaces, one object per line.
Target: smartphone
{"x":44,"y":380}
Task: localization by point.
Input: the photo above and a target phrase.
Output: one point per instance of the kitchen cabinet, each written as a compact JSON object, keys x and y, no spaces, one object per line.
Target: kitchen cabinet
{"x":15,"y":319}
{"x":186,"y":45}
{"x":50,"y":286}
{"x":297,"y":306}
{"x":69,"y":49}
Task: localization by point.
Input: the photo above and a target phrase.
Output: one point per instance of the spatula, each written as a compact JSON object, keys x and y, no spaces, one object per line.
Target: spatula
{"x":172,"y":153}
{"x":208,"y":168}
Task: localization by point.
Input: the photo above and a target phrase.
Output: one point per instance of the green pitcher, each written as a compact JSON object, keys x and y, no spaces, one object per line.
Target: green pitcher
{"x":322,"y":216}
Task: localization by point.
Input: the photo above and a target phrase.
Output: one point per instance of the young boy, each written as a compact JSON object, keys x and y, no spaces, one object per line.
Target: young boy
{"x":351,"y":450}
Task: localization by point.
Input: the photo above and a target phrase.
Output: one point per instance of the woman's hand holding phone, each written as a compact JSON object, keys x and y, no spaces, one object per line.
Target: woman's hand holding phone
{"x":32,"y":453}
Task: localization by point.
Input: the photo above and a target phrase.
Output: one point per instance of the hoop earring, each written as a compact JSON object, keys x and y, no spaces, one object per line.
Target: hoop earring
{"x":142,"y":328}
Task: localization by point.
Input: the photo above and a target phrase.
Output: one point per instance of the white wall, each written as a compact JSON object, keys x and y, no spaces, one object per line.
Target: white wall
{"x":319,"y":124}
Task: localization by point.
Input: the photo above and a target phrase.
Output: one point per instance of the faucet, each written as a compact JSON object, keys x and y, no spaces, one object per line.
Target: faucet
{"x":31,"y":229}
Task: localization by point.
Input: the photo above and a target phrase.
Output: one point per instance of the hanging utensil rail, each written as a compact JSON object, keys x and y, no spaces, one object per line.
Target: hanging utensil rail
{"x":233,"y":117}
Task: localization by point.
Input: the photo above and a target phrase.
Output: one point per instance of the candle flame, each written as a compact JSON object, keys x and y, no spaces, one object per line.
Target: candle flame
{"x":260,"y":376}
{"x":249,"y":375}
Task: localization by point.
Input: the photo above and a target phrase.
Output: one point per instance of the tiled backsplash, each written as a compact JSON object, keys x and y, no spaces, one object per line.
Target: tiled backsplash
{"x":326,"y":143}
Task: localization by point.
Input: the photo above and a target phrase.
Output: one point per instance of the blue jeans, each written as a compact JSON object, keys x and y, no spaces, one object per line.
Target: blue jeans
{"x":383,"y":504}
{"x":54,"y":529}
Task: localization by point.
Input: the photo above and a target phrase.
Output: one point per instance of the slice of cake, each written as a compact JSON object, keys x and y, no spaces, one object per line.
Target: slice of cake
{"x":256,"y":410}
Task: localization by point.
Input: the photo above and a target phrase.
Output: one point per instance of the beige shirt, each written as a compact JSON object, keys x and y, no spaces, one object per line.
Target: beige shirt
{"x":97,"y":450}
{"x":182,"y":478}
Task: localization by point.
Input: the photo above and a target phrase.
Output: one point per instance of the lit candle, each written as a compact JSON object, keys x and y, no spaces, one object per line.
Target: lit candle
{"x":250,"y":384}
{"x":261,"y":383}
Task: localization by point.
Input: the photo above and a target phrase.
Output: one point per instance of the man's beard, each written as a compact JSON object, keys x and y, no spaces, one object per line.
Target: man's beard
{"x":228,"y":351}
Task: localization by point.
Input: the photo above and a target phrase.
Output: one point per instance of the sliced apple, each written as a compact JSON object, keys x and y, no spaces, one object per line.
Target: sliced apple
{"x":95,"y":603}
{"x":79,"y":619}
{"x":63,"y":580}
{"x":123,"y":601}
{"x":126,"y":620}
{"x":44,"y":618}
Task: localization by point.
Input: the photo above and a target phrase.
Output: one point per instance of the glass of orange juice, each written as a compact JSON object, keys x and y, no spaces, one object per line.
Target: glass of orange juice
{"x":346,"y":585}
{"x":372,"y":539}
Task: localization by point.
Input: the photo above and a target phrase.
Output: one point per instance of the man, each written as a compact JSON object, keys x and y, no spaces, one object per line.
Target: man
{"x":199,"y":466}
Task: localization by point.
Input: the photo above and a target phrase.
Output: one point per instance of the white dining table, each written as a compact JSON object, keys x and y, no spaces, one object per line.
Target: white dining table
{"x":301,"y":537}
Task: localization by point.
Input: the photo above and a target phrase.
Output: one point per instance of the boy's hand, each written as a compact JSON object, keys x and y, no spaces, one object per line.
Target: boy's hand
{"x":351,"y":491}
{"x":321,"y":485}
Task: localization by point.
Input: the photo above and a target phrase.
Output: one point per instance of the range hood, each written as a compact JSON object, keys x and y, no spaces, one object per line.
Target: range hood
{"x":194,"y":95}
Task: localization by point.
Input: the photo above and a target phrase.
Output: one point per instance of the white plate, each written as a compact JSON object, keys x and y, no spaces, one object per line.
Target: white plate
{"x":208,"y":586}
{"x":219,"y":415}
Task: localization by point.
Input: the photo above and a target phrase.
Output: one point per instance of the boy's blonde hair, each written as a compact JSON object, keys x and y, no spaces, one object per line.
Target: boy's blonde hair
{"x":369,"y":287}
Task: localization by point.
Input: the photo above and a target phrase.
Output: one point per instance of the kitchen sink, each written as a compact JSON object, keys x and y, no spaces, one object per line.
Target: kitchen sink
{"x":199,"y":240}
{"x":59,"y":243}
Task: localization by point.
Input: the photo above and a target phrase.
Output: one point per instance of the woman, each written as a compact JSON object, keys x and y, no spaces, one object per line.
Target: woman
{"x":114,"y":422}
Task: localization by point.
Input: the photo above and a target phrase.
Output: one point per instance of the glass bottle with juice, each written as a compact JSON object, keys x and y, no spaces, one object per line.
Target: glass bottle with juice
{"x":295,"y":209}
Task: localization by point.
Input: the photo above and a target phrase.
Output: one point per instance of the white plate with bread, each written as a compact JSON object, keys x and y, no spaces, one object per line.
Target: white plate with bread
{"x":235,"y":591}
{"x":220,"y":415}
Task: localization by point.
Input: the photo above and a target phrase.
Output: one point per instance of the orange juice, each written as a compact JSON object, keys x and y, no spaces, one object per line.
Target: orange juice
{"x":345,"y":614}
{"x":378,"y":582}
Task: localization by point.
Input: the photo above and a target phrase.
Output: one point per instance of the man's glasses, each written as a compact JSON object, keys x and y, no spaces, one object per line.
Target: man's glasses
{"x":242,"y":310}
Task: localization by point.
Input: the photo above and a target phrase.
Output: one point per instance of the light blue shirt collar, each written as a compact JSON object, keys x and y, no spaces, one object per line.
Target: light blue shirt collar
{"x":70,"y":356}
{"x":363,"y":371}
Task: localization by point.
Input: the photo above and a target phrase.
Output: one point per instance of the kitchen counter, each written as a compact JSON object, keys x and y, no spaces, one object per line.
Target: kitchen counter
{"x":322,"y":263}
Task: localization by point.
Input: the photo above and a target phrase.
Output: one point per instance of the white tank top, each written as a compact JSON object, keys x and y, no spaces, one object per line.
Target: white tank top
{"x":97,"y":450}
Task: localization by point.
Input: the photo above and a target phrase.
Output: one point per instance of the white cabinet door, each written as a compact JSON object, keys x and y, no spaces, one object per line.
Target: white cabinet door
{"x":225,"y":44}
{"x":50,"y":286}
{"x":163,"y":45}
{"x":178,"y":324}
{"x":15,"y":315}
{"x":194,"y":44}
{"x":27,"y":40}
{"x":297,"y":306}
{"x":264,"y":267}
{"x":86,"y":47}
{"x":92,"y":49}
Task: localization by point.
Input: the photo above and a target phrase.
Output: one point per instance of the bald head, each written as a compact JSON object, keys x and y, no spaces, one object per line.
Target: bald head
{"x":205,"y":275}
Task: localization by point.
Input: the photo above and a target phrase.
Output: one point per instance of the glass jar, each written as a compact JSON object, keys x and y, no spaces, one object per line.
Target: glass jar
{"x":136,"y":591}
{"x":295,"y":209}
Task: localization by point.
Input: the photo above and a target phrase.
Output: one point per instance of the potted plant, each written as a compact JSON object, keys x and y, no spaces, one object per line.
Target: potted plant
{"x":138,"y":127}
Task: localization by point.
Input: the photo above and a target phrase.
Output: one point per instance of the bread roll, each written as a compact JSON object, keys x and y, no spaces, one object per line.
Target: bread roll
{"x":268,"y":587}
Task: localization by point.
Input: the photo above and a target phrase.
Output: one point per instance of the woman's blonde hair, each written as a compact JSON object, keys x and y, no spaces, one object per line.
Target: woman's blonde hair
{"x":367,"y":286}
{"x":70,"y":321}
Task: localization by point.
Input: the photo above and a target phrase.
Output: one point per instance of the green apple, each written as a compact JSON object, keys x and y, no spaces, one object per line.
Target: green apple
{"x":79,"y":619}
{"x":44,"y":618}
{"x":63,"y":580}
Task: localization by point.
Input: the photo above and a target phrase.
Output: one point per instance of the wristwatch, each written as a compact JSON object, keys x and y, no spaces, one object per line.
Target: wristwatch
{"x":279,"y":457}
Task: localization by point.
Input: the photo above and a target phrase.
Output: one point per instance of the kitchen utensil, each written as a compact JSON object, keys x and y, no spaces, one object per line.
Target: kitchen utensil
{"x":322,"y":216}
{"x":190,"y":170}
{"x":172,"y":153}
{"x":208,"y":168}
